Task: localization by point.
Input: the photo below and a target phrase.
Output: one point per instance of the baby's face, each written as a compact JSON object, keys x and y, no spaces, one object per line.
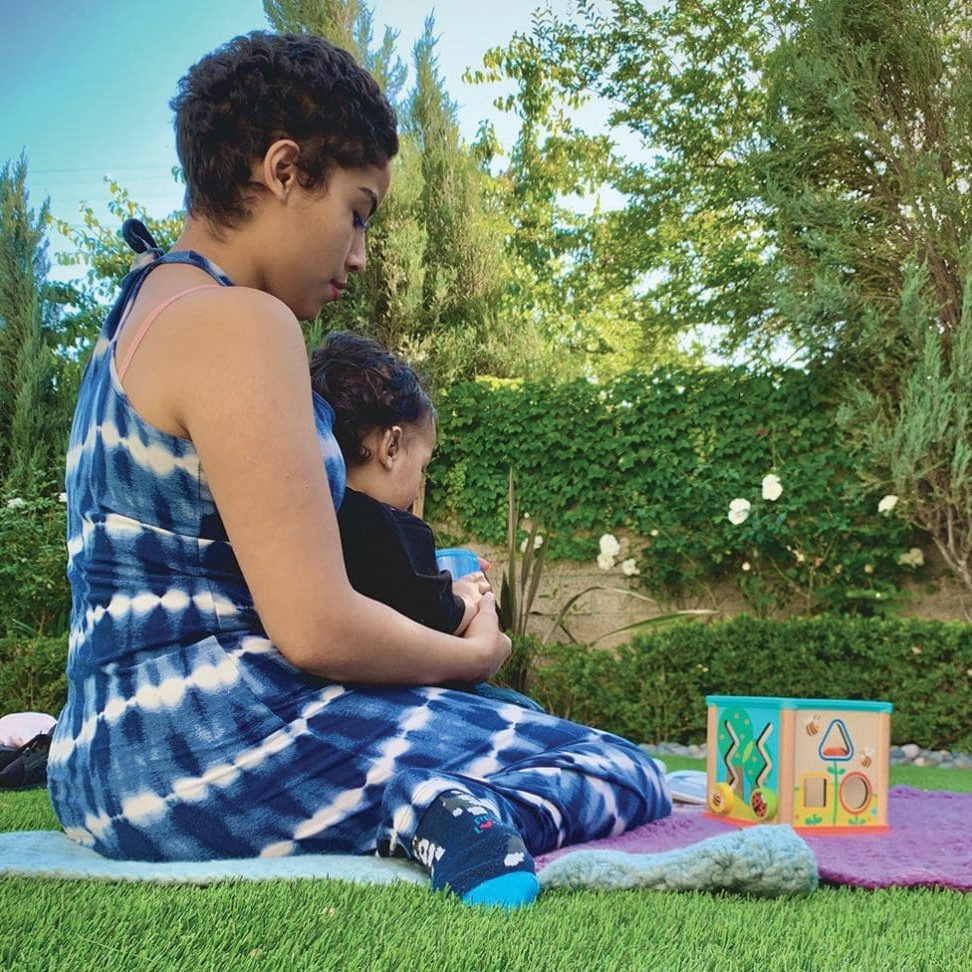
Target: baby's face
{"x":405,"y":477}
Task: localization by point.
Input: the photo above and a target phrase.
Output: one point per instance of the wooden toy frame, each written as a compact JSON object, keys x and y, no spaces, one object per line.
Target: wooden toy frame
{"x":820,"y":765}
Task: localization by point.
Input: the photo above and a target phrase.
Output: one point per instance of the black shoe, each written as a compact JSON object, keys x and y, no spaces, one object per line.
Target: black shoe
{"x":29,"y":766}
{"x":8,"y":754}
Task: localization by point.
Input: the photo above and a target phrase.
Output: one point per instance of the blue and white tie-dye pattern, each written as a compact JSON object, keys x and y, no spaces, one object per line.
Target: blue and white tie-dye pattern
{"x":187,"y":735}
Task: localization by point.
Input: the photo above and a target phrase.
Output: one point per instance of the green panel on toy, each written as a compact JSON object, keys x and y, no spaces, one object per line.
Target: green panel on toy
{"x":747,"y":766}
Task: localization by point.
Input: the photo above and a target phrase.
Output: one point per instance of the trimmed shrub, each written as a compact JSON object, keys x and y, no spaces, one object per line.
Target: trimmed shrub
{"x":35,"y":599}
{"x":32,"y":675}
{"x":654,"y":688}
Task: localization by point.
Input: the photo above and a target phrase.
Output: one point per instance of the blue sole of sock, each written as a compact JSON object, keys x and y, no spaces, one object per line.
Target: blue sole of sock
{"x":509,"y":891}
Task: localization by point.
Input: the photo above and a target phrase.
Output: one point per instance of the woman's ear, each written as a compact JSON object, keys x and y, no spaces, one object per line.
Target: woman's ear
{"x":278,"y":169}
{"x":390,"y":447}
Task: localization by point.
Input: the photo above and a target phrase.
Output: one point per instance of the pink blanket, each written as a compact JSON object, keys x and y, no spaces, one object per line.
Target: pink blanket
{"x":929,"y":843}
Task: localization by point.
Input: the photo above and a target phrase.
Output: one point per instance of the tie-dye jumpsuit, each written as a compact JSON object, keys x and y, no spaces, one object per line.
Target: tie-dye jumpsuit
{"x":187,"y":735}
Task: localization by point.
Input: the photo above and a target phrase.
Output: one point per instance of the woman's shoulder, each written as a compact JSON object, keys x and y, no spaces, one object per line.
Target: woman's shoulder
{"x":236,"y":307}
{"x":240,"y":328}
{"x":210,"y":348}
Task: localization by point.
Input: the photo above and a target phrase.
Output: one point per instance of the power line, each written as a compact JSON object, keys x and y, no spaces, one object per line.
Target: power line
{"x":108,"y":169}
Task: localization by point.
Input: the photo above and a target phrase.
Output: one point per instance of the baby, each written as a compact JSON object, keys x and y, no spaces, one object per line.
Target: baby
{"x":384,"y":422}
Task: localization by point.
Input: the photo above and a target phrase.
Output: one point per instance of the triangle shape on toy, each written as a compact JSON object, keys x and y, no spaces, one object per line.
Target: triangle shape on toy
{"x":836,"y":744}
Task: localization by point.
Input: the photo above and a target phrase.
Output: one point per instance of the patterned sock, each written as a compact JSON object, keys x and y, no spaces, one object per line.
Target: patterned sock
{"x":466,"y":848}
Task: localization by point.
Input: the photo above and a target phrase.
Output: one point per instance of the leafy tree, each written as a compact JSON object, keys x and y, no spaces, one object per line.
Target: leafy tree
{"x":571,"y":279}
{"x":685,"y":79}
{"x":865,"y":169}
{"x":435,"y":268}
{"x":31,"y":419}
{"x":867,"y":165}
{"x":464,"y":270}
{"x":348,"y":24}
{"x":918,"y":443}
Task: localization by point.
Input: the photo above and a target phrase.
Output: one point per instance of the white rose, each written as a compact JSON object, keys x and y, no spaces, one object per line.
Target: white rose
{"x":16,"y":503}
{"x":523,"y":544}
{"x":654,"y":533}
{"x":537,"y":541}
{"x":628,"y":567}
{"x":609,"y":545}
{"x":913,"y":558}
{"x":739,"y":511}
{"x":605,"y":561}
{"x":887,"y":504}
{"x":772,"y":487}
{"x":747,"y":566}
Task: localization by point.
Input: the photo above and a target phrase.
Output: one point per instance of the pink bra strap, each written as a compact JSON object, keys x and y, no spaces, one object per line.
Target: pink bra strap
{"x":147,"y":323}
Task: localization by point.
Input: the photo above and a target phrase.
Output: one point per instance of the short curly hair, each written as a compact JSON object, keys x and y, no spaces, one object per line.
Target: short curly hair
{"x":369,"y":388}
{"x":235,"y":102}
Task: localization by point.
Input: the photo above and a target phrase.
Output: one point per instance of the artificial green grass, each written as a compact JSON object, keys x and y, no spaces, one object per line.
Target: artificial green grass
{"x":337,"y":925}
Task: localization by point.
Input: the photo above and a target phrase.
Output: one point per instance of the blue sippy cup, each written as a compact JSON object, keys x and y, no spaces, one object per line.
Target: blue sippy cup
{"x":458,"y":562}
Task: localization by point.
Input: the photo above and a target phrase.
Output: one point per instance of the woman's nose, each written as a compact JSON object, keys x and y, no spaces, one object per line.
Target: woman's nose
{"x":357,"y":259}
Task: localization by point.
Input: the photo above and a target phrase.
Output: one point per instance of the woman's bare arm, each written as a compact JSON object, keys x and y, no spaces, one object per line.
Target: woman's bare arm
{"x":235,"y":377}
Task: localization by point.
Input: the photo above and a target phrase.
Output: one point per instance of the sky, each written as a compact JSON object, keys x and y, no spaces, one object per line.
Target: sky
{"x":85,"y":84}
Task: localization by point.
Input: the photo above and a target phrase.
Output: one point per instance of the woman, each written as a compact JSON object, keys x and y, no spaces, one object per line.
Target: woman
{"x":230,"y":694}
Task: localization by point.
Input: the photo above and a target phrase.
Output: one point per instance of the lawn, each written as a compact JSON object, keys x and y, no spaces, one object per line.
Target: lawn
{"x":336,"y":925}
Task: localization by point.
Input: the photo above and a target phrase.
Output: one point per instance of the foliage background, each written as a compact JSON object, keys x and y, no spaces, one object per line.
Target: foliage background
{"x":801,"y":191}
{"x":661,"y":456}
{"x":651,"y":688}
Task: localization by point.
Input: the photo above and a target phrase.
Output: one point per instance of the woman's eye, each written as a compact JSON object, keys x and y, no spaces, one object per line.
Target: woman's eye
{"x":359,"y":223}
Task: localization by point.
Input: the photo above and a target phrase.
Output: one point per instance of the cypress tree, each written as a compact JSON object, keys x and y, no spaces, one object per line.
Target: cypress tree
{"x":30,"y":416}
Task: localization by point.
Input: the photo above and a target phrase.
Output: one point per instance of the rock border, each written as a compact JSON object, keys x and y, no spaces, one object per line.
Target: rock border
{"x":910,"y":754}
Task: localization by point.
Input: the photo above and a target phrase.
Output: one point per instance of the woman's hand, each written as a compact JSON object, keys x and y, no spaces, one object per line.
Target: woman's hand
{"x":490,"y":646}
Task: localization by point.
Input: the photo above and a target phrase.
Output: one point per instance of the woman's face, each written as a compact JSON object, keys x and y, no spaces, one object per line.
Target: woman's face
{"x":324,"y":237}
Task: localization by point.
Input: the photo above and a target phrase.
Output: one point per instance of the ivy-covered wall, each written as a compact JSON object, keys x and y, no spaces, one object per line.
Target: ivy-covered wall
{"x":663,"y":456}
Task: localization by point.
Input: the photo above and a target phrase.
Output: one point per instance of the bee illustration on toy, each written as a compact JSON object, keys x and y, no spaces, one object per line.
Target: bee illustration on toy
{"x":820,"y":765}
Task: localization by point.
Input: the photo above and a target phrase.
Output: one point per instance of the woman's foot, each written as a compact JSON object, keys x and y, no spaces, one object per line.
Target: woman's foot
{"x":467,"y":849}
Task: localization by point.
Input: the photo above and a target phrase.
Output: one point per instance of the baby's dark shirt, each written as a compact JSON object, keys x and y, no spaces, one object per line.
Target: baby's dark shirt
{"x":390,"y":556}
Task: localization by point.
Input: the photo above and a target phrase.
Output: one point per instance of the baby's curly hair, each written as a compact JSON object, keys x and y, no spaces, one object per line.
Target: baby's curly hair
{"x":369,"y":388}
{"x":259,"y":87}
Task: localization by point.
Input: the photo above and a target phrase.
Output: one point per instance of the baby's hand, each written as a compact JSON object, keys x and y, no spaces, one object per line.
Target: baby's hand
{"x":471,"y":588}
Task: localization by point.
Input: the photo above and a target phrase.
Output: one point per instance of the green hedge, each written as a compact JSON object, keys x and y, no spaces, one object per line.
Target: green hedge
{"x":34,"y":595}
{"x":32,"y":675}
{"x":654,"y":688}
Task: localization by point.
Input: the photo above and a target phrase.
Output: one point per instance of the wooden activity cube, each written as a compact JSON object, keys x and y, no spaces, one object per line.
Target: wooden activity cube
{"x":818,"y":764}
